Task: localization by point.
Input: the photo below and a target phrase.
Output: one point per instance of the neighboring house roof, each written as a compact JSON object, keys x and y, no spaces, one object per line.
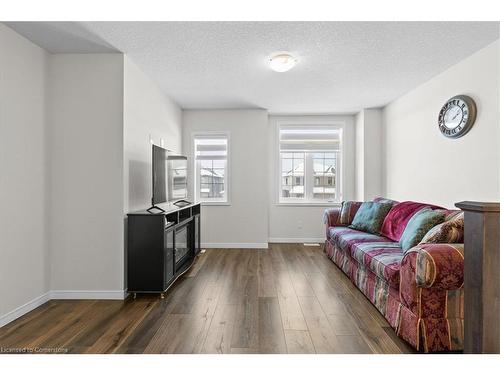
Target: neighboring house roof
{"x":209,"y":172}
{"x":328,"y":171}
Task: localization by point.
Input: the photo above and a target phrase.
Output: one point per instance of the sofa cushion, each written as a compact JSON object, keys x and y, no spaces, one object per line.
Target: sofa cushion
{"x":382,"y":258}
{"x":348,"y":210}
{"x":419,"y":225}
{"x":370,"y":217}
{"x":345,"y":238}
{"x":385,"y":200}
{"x":453,"y":214}
{"x":396,"y":220}
{"x":450,"y":231}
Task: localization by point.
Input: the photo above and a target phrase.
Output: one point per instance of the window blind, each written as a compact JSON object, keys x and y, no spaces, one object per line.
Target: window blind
{"x":322,"y":138}
{"x":211,"y":148}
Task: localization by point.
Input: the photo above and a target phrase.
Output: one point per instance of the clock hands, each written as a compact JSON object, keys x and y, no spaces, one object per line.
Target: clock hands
{"x":454,"y":117}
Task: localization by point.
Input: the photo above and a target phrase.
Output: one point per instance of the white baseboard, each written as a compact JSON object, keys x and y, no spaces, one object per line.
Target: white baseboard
{"x":319,"y":240}
{"x":60,"y":294}
{"x":236,"y":245}
{"x":24,"y":309}
{"x":88,"y":294}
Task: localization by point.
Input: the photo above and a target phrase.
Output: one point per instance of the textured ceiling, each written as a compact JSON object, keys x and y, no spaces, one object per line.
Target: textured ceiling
{"x":343,"y":66}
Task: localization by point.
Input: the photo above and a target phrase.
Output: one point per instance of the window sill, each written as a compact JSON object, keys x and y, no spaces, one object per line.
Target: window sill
{"x":308,"y":204}
{"x":215,"y":203}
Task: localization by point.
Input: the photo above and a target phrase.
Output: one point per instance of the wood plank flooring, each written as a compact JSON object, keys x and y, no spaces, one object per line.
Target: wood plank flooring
{"x":287,"y":299}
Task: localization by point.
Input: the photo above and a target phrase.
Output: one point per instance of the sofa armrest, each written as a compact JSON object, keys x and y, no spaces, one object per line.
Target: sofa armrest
{"x":432,"y":295}
{"x":428,"y":274}
{"x":331,"y":217}
{"x":438,"y":266}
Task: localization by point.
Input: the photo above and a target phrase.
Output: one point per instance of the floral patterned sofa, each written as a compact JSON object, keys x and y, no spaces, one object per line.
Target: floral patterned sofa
{"x":419,"y":292}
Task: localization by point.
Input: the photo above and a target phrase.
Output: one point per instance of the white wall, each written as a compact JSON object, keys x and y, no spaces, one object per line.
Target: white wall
{"x":243,"y":223}
{"x":295,"y":223}
{"x":23,"y":177}
{"x":147,"y":112}
{"x":421,"y":164}
{"x":369,"y":149}
{"x":359,"y":122}
{"x":373,"y":153}
{"x":75,"y":155}
{"x":86,"y":158}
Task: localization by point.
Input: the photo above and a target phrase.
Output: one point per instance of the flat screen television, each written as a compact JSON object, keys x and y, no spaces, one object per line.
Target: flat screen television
{"x":160,"y":193}
{"x":177,"y":166}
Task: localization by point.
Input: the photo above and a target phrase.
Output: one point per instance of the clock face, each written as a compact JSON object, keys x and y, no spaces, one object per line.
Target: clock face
{"x":457,"y":116}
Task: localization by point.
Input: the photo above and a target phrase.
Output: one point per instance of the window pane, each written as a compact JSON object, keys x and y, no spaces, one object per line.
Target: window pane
{"x":292,"y":172}
{"x":329,"y":193}
{"x":211,"y":172}
{"x":297,"y":191}
{"x":205,"y":188}
{"x":318,"y":165}
{"x":285,"y":191}
{"x":313,"y":173}
{"x":218,"y":190}
{"x":218,"y":174}
{"x":205,"y":164}
{"x":329,"y":165}
{"x":286,"y":166}
{"x":298,"y":167}
{"x":219,"y":164}
{"x":318,"y":192}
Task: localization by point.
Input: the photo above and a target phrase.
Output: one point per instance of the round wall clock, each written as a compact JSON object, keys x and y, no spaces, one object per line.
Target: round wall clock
{"x":457,"y":116}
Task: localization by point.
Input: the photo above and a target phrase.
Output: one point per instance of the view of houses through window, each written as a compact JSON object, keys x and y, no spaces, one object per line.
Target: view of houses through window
{"x":211,"y":168}
{"x":310,"y":163}
{"x":212,"y":178}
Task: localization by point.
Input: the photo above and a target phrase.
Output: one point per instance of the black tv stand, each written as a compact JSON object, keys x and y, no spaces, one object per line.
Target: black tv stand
{"x":182,"y":203}
{"x":150,"y":209}
{"x":161,"y":247}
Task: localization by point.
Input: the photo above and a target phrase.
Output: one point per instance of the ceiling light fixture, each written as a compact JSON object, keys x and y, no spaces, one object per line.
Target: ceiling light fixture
{"x":282,"y":61}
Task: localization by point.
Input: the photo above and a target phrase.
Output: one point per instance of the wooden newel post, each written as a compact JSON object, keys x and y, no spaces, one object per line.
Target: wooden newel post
{"x":481,"y":277}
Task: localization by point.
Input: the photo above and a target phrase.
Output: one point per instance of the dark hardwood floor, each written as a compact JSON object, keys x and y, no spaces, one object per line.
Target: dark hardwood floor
{"x":287,"y":299}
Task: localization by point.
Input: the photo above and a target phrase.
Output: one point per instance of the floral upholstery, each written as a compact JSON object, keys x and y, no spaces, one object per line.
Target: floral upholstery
{"x":451,"y":231}
{"x":439,"y":266}
{"x":419,"y":292}
{"x":432,"y":289}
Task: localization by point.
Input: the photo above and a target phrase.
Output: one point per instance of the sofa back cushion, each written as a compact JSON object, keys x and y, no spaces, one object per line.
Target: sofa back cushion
{"x":453,"y":214}
{"x":450,"y":231}
{"x":396,"y":220}
{"x":419,"y":225}
{"x":370,"y":216}
{"x":384,"y":200}
{"x":348,"y":211}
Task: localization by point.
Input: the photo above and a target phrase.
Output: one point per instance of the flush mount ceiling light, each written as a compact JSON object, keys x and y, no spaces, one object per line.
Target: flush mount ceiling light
{"x":282,"y":61}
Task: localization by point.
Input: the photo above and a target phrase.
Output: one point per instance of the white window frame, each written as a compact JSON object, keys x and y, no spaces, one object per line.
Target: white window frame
{"x":196,"y":175}
{"x":308,"y":200}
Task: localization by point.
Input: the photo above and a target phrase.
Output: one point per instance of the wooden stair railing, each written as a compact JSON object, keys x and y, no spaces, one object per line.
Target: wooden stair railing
{"x":481,"y":277}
